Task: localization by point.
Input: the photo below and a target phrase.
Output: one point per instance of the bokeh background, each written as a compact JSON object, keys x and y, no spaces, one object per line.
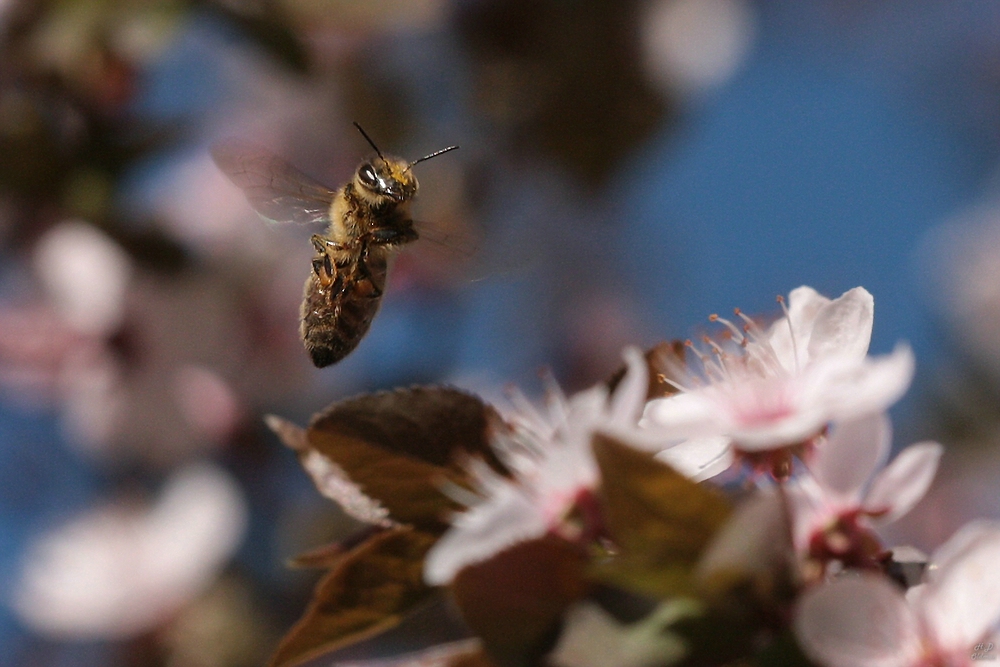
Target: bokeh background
{"x":627,"y":168}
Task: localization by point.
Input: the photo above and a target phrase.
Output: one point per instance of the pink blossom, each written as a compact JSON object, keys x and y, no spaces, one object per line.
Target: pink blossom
{"x":769,"y":389}
{"x":848,"y":488}
{"x":555,"y":473}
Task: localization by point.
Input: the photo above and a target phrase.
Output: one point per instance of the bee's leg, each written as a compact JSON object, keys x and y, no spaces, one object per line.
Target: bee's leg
{"x":365,"y":273}
{"x":323,"y":269}
{"x":322,"y":244}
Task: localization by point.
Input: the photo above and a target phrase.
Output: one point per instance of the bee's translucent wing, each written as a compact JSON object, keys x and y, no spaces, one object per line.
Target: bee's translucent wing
{"x":461,"y":241}
{"x":275,"y":189}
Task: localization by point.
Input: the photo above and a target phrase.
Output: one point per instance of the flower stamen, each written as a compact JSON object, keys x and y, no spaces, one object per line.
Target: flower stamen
{"x":791,"y":331}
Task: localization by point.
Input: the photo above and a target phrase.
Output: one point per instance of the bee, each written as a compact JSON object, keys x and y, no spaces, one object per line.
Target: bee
{"x":368,"y":220}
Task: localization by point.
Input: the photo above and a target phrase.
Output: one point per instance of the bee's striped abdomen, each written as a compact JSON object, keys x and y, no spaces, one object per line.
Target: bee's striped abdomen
{"x":336,"y":318}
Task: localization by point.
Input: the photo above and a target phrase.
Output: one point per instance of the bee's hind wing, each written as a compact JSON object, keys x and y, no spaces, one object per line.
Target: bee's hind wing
{"x":276,"y":190}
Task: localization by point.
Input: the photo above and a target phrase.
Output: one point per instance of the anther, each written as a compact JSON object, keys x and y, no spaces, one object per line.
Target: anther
{"x":729,"y":325}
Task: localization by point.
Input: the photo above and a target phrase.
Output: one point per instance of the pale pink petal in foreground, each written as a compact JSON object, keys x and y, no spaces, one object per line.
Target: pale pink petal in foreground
{"x":961,"y":600}
{"x":869,"y":622}
{"x":482,"y":531}
{"x":863,"y":622}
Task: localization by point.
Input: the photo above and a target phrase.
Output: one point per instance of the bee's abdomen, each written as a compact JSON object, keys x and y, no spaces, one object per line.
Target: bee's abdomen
{"x":334,"y":322}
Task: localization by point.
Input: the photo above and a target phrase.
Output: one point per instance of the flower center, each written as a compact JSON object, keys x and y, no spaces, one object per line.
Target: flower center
{"x":757,"y":401}
{"x":574,"y":515}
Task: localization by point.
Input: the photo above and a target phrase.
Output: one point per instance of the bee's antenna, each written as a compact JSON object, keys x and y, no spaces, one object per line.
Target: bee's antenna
{"x":428,"y":157}
{"x":369,"y":139}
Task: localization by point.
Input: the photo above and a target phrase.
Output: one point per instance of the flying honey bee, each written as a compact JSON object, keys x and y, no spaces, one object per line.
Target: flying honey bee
{"x":368,"y":220}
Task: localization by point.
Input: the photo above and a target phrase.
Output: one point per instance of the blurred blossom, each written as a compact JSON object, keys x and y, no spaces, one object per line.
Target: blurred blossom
{"x":695,"y":45}
{"x":118,"y":571}
{"x":963,"y":256}
{"x":201,"y":208}
{"x":868,"y":622}
{"x":224,"y":627}
{"x":85,"y":274}
{"x":699,"y":458}
{"x":753,"y":542}
{"x":964,"y":488}
{"x":594,"y":638}
{"x":195,"y":352}
{"x":67,"y":37}
{"x":207,"y":401}
{"x":35,"y":344}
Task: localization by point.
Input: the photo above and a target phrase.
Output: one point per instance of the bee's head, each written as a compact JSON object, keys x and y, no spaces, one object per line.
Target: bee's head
{"x":385,"y":179}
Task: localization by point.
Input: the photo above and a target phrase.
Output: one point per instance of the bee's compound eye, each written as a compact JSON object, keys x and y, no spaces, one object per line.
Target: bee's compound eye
{"x":366,"y":174}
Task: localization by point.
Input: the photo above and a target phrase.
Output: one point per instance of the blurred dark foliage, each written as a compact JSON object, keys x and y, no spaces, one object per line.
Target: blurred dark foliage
{"x":562,"y":79}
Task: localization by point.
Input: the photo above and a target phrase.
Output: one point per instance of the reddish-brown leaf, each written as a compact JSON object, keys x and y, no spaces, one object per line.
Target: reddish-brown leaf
{"x":515,"y":601}
{"x":659,"y":519}
{"x":370,"y":590}
{"x":329,"y":478}
{"x":399,"y":447}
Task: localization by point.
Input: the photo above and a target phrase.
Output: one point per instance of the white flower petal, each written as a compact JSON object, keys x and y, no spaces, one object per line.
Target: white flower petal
{"x":961,"y":600}
{"x":630,"y":395}
{"x":769,"y":390}
{"x":700,"y":458}
{"x":862,"y":622}
{"x":801,"y":425}
{"x":804,"y":303}
{"x":843,"y":327}
{"x":901,"y":485}
{"x":854,"y":450}
{"x":869,"y":387}
{"x":506,"y":518}
{"x":683,"y":415}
